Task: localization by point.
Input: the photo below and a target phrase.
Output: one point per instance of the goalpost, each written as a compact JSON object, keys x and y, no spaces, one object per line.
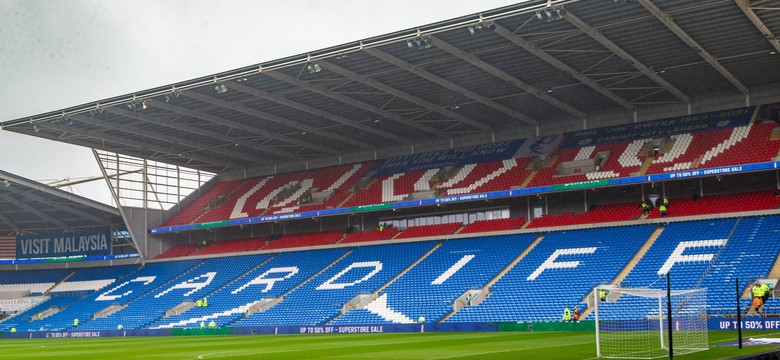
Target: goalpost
{"x":635,"y":323}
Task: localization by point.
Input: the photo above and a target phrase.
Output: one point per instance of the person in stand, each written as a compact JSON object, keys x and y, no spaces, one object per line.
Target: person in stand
{"x":566,"y":314}
{"x":205,"y":302}
{"x":202,"y":325}
{"x":576,"y":315}
{"x":212,"y":324}
{"x":665,"y":201}
{"x":645,"y":208}
{"x":199,"y":303}
{"x":758,"y":294}
{"x":662,"y":210}
{"x":602,"y":295}
{"x":13,"y":329}
{"x":421,"y":319}
{"x":75,"y":322}
{"x":767,"y":291}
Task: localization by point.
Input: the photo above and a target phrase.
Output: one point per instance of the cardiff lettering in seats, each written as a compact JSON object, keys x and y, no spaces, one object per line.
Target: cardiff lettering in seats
{"x":191,"y":284}
{"x":146,"y":280}
{"x":678,"y":257}
{"x":269,"y":282}
{"x":332,"y":285}
{"x":550,"y":263}
{"x":452,"y":270}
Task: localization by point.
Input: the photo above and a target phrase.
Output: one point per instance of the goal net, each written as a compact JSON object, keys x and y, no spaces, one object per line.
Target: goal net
{"x":634,"y":323}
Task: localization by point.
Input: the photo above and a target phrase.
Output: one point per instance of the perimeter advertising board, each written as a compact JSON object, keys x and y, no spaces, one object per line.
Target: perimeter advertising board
{"x":92,"y":242}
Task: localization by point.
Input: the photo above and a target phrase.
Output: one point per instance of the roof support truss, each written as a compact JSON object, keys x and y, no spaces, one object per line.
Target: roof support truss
{"x":533,"y":49}
{"x":350,"y":101}
{"x":596,"y":35}
{"x":237,"y":125}
{"x":744,"y":5}
{"x":274,"y":118}
{"x":533,"y":91}
{"x":35,"y":212}
{"x":197,"y":131}
{"x":54,"y":204}
{"x":448,"y":84}
{"x":401,"y":95}
{"x":162,"y":137}
{"x":143,"y":145}
{"x":677,"y":30}
{"x":10,"y":223}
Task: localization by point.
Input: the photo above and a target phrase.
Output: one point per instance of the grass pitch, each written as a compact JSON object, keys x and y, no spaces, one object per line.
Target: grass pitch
{"x":502,"y":345}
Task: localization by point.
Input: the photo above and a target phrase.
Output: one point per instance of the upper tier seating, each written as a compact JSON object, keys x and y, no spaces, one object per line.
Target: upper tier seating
{"x":430,"y":288}
{"x":230,"y":246}
{"x":598,"y":214}
{"x":269,"y":281}
{"x":715,"y":204}
{"x":492,"y":225}
{"x":370,"y":235}
{"x":320,"y":299}
{"x":338,"y":179}
{"x":428,"y":230}
{"x":305,"y":239}
{"x":177,"y":251}
{"x":200,"y":205}
{"x":489,"y":176}
{"x":558,"y":272}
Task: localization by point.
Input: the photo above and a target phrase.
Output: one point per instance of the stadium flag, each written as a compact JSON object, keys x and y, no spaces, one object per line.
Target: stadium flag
{"x":91,"y":242}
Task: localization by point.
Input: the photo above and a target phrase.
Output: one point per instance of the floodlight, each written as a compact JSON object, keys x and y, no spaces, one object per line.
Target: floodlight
{"x":144,"y":105}
{"x":36,"y":128}
{"x":313,"y":68}
{"x":221,"y":89}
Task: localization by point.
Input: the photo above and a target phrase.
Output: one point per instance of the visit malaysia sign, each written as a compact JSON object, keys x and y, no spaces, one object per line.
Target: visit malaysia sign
{"x":93,"y":242}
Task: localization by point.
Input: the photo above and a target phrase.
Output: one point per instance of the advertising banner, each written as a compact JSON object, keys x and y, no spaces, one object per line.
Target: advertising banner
{"x":94,"y":242}
{"x":451,"y":157}
{"x":660,"y":128}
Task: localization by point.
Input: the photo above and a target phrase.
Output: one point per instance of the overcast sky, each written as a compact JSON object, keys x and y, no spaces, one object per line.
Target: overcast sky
{"x":56,"y":54}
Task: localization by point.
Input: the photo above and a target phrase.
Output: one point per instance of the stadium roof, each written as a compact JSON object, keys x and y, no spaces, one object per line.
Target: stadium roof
{"x":533,"y":67}
{"x":31,"y":207}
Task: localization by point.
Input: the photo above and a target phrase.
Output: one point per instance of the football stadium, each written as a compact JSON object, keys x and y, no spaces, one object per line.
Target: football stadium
{"x":555,"y":179}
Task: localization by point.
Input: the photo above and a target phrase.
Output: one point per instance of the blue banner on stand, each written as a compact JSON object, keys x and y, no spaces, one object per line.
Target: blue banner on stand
{"x":660,"y":128}
{"x":94,"y":242}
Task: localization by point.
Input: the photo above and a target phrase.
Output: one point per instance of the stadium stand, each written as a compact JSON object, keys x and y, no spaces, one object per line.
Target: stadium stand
{"x":178,"y":250}
{"x":492,"y":225}
{"x":305,"y":239}
{"x":230,"y":246}
{"x":715,"y":204}
{"x":430,"y":288}
{"x":598,"y":214}
{"x":428,"y":230}
{"x":242,"y":297}
{"x":321,"y":298}
{"x":172,"y":289}
{"x":530,"y":291}
{"x":192,"y":211}
{"x":370,"y":235}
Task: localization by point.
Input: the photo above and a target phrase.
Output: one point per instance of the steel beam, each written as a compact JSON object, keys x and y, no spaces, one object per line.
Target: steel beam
{"x":198,"y":131}
{"x":276,"y":119}
{"x":237,"y":125}
{"x":35,"y":211}
{"x":688,"y":40}
{"x":141,"y":145}
{"x":353,"y":102}
{"x":161,"y":137}
{"x":541,"y":54}
{"x":744,"y":5}
{"x":598,"y":36}
{"x":492,"y":70}
{"x":402,"y":95}
{"x":419,"y":71}
{"x":280,"y":99}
